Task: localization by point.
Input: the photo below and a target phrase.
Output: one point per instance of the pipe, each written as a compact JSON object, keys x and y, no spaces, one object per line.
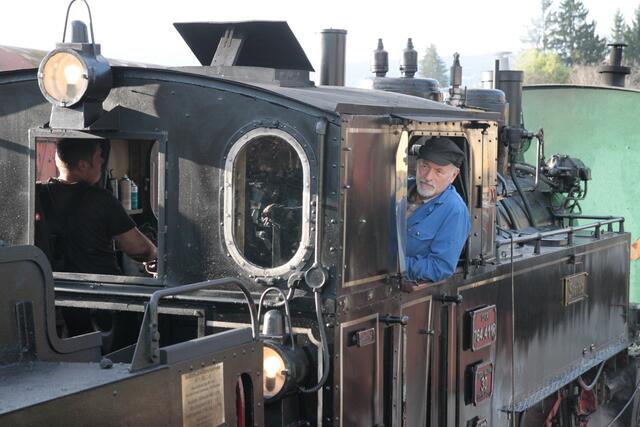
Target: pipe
{"x":505,"y":189}
{"x":625,"y":406}
{"x":333,"y":54}
{"x":586,"y":387}
{"x":527,"y":207}
{"x":522,"y":167}
{"x":325,"y":347}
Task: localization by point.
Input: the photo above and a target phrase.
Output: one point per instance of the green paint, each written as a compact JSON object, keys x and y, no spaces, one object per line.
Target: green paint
{"x":601,"y":127}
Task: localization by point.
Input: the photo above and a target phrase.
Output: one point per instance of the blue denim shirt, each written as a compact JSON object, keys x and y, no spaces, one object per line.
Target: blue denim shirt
{"x":436,"y":234}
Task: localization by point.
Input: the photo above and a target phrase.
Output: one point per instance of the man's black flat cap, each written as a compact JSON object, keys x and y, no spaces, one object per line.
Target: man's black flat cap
{"x":441,"y":151}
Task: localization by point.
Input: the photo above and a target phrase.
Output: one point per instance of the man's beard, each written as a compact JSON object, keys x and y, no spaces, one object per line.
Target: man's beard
{"x":426,"y":191}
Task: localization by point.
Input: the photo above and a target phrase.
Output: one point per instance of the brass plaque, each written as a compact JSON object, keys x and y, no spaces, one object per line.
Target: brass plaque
{"x":575,"y":288}
{"x":203,"y":397}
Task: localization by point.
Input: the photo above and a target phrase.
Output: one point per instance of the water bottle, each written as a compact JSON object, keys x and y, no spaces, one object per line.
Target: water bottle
{"x":134,"y":195}
{"x":125,"y":192}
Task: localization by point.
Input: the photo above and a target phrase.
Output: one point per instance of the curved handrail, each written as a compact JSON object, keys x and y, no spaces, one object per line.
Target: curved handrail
{"x":147,"y":352}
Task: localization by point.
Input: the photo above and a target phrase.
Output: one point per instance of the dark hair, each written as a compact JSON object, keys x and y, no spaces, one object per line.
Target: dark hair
{"x":72,"y":150}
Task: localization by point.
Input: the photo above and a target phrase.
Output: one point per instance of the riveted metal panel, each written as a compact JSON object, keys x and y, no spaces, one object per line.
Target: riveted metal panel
{"x":416,"y":358}
{"x":368,"y":187}
{"x":359,"y":371}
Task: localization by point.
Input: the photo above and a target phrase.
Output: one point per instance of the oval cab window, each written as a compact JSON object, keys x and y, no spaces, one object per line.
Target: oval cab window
{"x":267,"y":201}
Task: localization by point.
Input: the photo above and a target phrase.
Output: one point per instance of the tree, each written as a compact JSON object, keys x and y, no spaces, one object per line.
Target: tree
{"x":632,"y":39}
{"x":432,"y":66}
{"x":572,"y":37}
{"x":619,"y":29}
{"x":542,"y":67}
{"x":585,"y":75}
{"x":634,"y":78}
{"x":538,"y":33}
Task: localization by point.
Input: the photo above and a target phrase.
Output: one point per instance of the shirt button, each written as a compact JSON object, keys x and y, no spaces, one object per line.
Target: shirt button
{"x":417,"y":233}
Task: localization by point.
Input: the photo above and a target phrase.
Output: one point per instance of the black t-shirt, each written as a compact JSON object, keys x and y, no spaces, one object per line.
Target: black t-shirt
{"x":91,"y":218}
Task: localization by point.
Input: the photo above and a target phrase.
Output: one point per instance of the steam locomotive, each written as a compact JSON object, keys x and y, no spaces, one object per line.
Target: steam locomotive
{"x":258,"y":185}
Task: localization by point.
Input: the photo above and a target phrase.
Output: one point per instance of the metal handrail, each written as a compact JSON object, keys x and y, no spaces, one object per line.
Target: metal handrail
{"x":569,"y":231}
{"x":147,"y":350}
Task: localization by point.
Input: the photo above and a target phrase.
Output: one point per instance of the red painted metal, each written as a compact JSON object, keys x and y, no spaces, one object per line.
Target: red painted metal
{"x":484,"y":327}
{"x":241,"y":404}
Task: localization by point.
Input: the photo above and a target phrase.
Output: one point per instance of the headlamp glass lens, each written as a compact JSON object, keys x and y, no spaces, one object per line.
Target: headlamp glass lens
{"x":64,"y":78}
{"x":274,"y":372}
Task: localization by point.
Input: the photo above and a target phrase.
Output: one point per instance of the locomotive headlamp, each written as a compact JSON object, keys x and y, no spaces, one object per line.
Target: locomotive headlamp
{"x":63,"y":78}
{"x":283,"y":369}
{"x":274,"y":372}
{"x":68,"y":76}
{"x":75,"y":78}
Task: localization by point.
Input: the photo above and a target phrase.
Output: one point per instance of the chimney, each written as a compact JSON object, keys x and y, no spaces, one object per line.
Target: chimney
{"x":333,"y":56}
{"x":614,"y":73}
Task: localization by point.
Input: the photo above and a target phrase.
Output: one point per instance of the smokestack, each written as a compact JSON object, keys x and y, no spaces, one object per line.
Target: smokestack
{"x":614,"y":73}
{"x":332,"y":63}
{"x":509,"y":82}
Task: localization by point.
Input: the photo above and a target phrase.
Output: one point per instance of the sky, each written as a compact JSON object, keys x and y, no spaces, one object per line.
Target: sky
{"x":142,"y":31}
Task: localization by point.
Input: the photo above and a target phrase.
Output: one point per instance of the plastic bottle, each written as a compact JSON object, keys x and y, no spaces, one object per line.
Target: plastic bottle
{"x":134,"y":195}
{"x":125,"y":192}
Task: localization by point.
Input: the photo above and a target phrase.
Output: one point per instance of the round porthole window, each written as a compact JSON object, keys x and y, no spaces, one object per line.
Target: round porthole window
{"x":267,"y":201}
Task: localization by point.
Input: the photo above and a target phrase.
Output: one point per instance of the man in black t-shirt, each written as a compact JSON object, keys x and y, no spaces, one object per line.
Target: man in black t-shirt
{"x":88,"y":218}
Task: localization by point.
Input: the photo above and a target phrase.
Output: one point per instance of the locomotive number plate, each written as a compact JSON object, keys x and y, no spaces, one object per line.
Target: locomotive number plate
{"x":575,"y":288}
{"x":482,"y":382}
{"x":484,"y":327}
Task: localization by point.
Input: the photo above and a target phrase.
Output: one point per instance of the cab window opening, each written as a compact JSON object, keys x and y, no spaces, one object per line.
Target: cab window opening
{"x":268,"y":184}
{"x":77,"y":238}
{"x":459,"y":184}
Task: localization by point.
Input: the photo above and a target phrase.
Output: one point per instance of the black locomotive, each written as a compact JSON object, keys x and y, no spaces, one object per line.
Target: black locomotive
{"x":258,"y":185}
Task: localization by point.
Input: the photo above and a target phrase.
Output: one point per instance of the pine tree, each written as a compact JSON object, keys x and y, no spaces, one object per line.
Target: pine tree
{"x":619,"y":29}
{"x":572,"y":37}
{"x":538,"y":34}
{"x":632,"y":39}
{"x":432,"y":66}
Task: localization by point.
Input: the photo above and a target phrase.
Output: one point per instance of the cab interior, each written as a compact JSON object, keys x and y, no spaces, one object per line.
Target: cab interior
{"x":136,"y":159}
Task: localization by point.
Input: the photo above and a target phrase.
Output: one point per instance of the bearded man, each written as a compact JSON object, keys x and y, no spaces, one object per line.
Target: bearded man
{"x":438,"y":221}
